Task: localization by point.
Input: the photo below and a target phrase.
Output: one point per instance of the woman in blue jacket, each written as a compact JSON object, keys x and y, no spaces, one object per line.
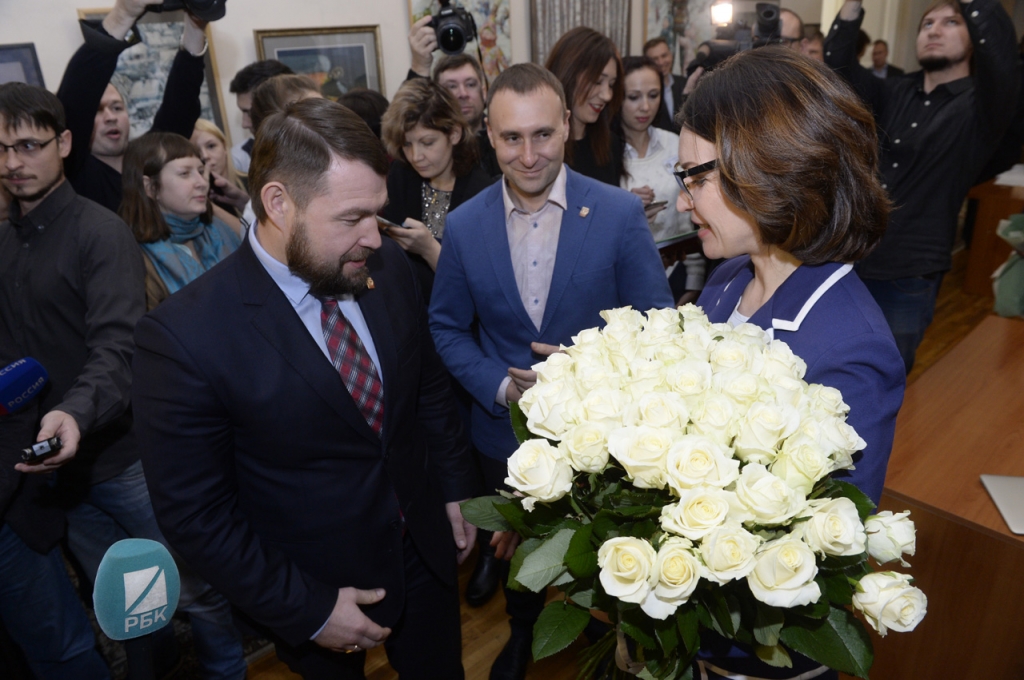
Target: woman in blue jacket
{"x":777,"y":163}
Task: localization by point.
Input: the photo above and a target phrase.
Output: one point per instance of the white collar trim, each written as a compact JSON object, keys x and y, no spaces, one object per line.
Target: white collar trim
{"x":794,"y":325}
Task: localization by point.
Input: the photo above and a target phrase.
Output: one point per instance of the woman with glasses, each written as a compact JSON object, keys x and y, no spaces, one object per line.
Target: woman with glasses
{"x":777,"y":165}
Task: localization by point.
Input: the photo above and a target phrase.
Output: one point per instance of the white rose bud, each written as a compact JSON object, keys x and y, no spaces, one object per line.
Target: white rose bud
{"x":651,"y":339}
{"x":672,"y":352}
{"x":698,"y":512}
{"x":826,"y":401}
{"x":779,"y":361}
{"x":691,"y":313}
{"x":594,"y":371}
{"x":642,"y":451}
{"x":603,"y":406}
{"x":645,"y":376}
{"x":790,"y":391}
{"x":887,"y":600}
{"x":550,"y":408}
{"x":783,"y":575}
{"x":663,"y":320}
{"x":586,"y":447}
{"x":558,"y":366}
{"x":689,"y":378}
{"x":741,"y":386}
{"x":658,"y":409}
{"x":627,"y":566}
{"x":714,"y":418}
{"x":834,"y":528}
{"x":624,"y":315}
{"x":842,"y":441}
{"x":764,"y":498}
{"x":696,"y":342}
{"x":732,"y":355}
{"x":587,"y":339}
{"x":891,"y":536}
{"x":762,"y":429}
{"x":728,"y":552}
{"x":538,"y":470}
{"x":695,"y":460}
{"x":677,"y":570}
{"x":801,"y":463}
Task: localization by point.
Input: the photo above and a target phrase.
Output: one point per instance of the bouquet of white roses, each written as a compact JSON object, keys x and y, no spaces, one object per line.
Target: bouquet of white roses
{"x":674,"y":474}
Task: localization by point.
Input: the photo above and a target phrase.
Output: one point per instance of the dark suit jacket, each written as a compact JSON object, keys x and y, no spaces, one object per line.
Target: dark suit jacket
{"x":894,"y":72}
{"x":263,"y":473}
{"x":664,"y":118}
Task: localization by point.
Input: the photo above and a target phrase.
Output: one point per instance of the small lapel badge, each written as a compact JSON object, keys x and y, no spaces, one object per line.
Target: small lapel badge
{"x":584,"y":211}
{"x":369,"y":283}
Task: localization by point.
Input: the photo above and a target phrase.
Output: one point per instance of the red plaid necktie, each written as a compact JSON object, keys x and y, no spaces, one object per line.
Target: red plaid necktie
{"x":351,"y":360}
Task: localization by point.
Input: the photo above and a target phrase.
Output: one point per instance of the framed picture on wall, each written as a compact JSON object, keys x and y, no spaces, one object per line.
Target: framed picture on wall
{"x":20,"y":64}
{"x":337,"y":59}
{"x":144,"y":68}
{"x":493,"y":29}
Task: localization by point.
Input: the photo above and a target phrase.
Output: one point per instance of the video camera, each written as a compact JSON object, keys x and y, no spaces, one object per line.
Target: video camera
{"x":753,"y":25}
{"x":205,"y":10}
{"x":454,"y":27}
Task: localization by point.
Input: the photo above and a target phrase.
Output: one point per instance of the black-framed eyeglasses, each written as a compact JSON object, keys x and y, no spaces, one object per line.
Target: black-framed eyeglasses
{"x":26,"y":147}
{"x":682,"y":175}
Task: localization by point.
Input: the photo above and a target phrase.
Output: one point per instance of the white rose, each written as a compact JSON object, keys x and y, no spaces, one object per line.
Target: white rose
{"x":658,"y":409}
{"x":587,"y":339}
{"x":595,"y":372}
{"x":558,"y":366}
{"x":751,"y":334}
{"x":779,"y":361}
{"x":698,"y":512}
{"x":732,"y":355}
{"x":891,"y":536}
{"x":834,"y":528}
{"x":842,"y":441}
{"x":695,"y":460}
{"x":663,"y":320}
{"x":696,"y":342}
{"x":602,"y":405}
{"x":689,"y":378}
{"x":642,"y":451}
{"x":586,"y":447}
{"x":741,"y":386}
{"x":677,"y":570}
{"x":801,"y":463}
{"x":672,"y":352}
{"x":728,"y":552}
{"x":651,"y":340}
{"x":538,"y":470}
{"x":645,"y":376}
{"x":627,"y":566}
{"x":762,"y":429}
{"x":764,"y":498}
{"x":550,"y":408}
{"x":715,"y":419}
{"x":783,"y":575}
{"x":692,"y":314}
{"x":626,"y":316}
{"x":621,"y":345}
{"x":887,"y":600}
{"x":826,"y":401}
{"x":790,"y":391}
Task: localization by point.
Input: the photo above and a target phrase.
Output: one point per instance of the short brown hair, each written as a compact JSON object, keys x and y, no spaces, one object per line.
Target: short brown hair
{"x":296,"y":146}
{"x":450,"y":62}
{"x":274,"y":94}
{"x":524,"y":79}
{"x":423,"y":102}
{"x":939,"y":4}
{"x":796,"y":150}
{"x":652,"y":42}
{"x":146,"y":157}
{"x":577,"y":59}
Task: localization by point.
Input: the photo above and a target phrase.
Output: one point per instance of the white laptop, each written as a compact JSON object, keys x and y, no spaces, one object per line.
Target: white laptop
{"x":1008,"y":494}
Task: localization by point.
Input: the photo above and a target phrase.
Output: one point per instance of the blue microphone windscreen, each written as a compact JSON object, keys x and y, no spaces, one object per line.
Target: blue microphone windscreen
{"x":137,"y":589}
{"x":20,"y":382}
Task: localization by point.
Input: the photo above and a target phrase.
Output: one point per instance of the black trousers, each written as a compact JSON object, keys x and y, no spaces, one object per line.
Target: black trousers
{"x":425,"y":644}
{"x":522,"y":607}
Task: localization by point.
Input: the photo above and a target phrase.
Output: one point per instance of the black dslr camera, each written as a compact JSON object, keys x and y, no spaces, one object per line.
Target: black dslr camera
{"x":746,"y":30}
{"x":205,"y":10}
{"x":454,"y":27}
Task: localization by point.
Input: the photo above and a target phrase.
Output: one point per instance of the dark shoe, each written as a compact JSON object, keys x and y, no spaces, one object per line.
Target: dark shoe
{"x":513,"y":659}
{"x":483,"y":583}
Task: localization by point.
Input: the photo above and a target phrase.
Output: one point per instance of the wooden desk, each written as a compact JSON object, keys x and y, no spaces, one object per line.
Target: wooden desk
{"x":962,"y":418}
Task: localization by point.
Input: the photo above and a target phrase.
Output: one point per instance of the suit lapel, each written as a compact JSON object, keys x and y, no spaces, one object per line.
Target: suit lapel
{"x":276,"y":321}
{"x":575,"y":224}
{"x":496,"y":243}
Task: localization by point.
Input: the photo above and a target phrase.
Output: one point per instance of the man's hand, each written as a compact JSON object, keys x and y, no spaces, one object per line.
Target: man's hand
{"x":55,"y":424}
{"x":523,"y":378}
{"x":124,"y":15}
{"x":193,"y":38}
{"x":505,"y":544}
{"x":422,"y":42}
{"x":349,"y":629}
{"x":464,"y":532}
{"x":850,"y":10}
{"x":229,"y":192}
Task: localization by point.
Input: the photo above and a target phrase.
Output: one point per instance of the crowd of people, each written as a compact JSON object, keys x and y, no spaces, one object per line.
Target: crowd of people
{"x":290,"y":360}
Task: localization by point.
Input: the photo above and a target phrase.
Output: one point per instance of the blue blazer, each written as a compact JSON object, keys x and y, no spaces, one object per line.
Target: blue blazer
{"x":606,"y":258}
{"x":828,"y":318}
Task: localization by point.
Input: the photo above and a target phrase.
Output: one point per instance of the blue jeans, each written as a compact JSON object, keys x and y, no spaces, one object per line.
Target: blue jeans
{"x":120,"y":508}
{"x":43,"y":615}
{"x":908,"y":305}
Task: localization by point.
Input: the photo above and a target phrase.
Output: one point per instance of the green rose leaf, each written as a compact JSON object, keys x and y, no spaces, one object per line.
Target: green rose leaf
{"x":776,"y":655}
{"x":482,"y":512}
{"x":519,"y":423}
{"x":631,"y":624}
{"x":667,"y":634}
{"x":546,"y":563}
{"x":838,"y":641}
{"x":768,"y":623}
{"x":846,"y":490}
{"x":688,"y":622}
{"x":557,"y":626}
{"x":721,"y":616}
{"x":584,"y":598}
{"x":522,"y":552}
{"x":581,"y":557}
{"x":516,"y":517}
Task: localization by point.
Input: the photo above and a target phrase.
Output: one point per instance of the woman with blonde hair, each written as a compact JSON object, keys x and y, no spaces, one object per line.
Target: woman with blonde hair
{"x":226,"y":188}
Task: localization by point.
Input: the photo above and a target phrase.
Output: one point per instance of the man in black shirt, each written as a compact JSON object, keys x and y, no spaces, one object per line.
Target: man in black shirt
{"x":96,"y":112}
{"x":939,"y":128}
{"x":71,"y":291}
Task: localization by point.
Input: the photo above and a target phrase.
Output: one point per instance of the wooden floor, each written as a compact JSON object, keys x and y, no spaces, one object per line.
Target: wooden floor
{"x":485,"y":630}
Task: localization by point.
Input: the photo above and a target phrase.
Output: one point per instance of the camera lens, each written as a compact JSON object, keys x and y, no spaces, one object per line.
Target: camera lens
{"x":451,"y":39}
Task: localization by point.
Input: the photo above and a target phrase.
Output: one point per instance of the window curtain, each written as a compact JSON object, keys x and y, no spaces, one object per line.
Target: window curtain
{"x":551,"y":18}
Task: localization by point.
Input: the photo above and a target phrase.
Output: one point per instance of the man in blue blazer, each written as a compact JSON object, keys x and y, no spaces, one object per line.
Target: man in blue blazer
{"x":320,"y":499}
{"x":525,"y":265}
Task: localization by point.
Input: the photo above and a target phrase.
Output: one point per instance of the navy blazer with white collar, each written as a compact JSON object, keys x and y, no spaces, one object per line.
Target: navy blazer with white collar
{"x":827,"y":317}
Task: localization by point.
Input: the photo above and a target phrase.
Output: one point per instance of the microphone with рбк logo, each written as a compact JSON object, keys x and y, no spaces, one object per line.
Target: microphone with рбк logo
{"x":136,"y":593}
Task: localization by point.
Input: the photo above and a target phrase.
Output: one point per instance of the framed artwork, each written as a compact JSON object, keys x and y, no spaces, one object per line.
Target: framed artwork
{"x":145,"y":68}
{"x":337,"y":59}
{"x":20,"y":64}
{"x":684,"y":24}
{"x":494,"y":32}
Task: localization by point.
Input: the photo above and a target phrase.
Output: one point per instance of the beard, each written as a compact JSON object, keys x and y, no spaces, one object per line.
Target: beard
{"x":325,"y":279}
{"x":933,"y":64}
{"x":36,"y":195}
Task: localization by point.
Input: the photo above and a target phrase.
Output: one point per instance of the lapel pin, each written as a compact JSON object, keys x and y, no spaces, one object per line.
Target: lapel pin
{"x":584,"y":211}
{"x":369,"y":283}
